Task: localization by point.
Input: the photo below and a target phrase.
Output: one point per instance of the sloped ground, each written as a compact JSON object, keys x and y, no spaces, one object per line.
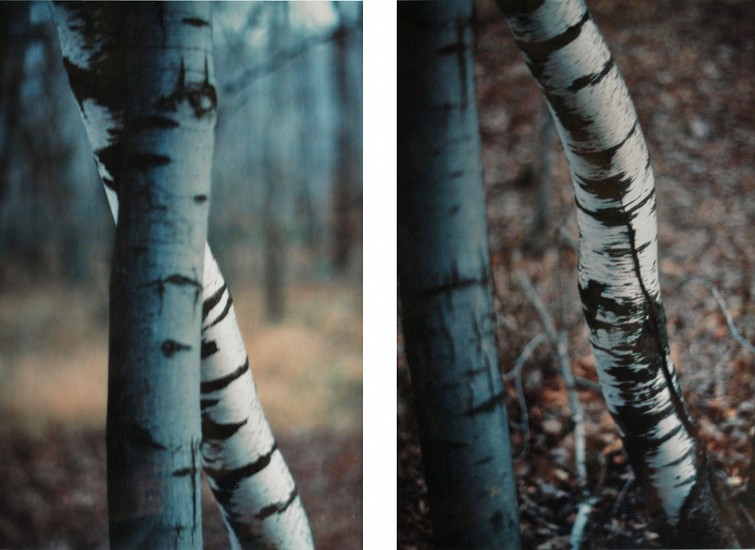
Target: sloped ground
{"x":689,"y":68}
{"x":53,"y":363}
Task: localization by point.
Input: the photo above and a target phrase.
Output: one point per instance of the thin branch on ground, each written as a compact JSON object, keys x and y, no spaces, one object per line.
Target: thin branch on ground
{"x":724,"y":310}
{"x":516,"y":374}
{"x":622,"y":494}
{"x":583,"y":514}
{"x":559,"y":340}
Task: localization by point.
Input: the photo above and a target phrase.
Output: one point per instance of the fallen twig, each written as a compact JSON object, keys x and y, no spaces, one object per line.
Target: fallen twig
{"x":725,"y":311}
{"x":516,"y":374}
{"x":559,"y":340}
{"x":583,"y":514}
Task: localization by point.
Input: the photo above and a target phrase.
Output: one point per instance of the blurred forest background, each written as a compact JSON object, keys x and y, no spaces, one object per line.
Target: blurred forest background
{"x":285,"y":226}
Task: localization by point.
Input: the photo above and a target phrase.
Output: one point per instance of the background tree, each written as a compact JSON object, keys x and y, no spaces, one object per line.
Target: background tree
{"x":346,"y":196}
{"x":618,"y":267}
{"x":445,"y":283}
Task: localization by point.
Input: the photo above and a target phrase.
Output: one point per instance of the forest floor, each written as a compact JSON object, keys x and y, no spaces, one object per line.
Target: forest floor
{"x":53,"y":363}
{"x":688,"y":66}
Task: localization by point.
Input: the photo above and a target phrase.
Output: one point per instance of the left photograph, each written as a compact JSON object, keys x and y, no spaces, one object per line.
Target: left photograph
{"x":181,"y":275}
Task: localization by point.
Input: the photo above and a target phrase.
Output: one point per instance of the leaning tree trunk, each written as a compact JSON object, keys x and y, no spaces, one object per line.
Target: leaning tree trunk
{"x":252,"y":484}
{"x":618,"y":269}
{"x":445,"y":285}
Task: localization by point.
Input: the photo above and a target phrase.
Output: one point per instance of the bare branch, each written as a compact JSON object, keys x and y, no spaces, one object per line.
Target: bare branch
{"x":559,"y":340}
{"x":516,"y":374}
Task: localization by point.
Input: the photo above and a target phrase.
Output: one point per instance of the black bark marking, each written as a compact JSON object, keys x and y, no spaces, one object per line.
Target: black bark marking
{"x":616,"y":217}
{"x":455,"y":282}
{"x":212,"y":301}
{"x":110,"y":183}
{"x":154,"y":121}
{"x":222,"y":382}
{"x":201,"y":96}
{"x":486,"y":406}
{"x":171,"y":347}
{"x":539,"y":51}
{"x":183,"y":472}
{"x":223,"y":313}
{"x":148,"y":161}
{"x":209,"y":348}
{"x":611,"y":217}
{"x":591,"y":79}
{"x":610,"y":187}
{"x":604,"y":157}
{"x":139,"y":437}
{"x":214,"y":431}
{"x":207,"y":403}
{"x":199,"y":199}
{"x":226,"y":480}
{"x":278,"y":507}
{"x":182,"y":280}
{"x":195,"y":22}
{"x":575,"y":122}
{"x":111,"y":157}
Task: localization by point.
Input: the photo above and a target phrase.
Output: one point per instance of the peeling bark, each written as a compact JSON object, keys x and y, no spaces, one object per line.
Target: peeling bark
{"x":618,"y":273}
{"x":444,"y":275}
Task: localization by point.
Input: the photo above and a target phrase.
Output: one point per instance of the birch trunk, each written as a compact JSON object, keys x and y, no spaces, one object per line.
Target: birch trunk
{"x":153,"y":422}
{"x":444,"y":277}
{"x":252,"y":484}
{"x":618,"y":268}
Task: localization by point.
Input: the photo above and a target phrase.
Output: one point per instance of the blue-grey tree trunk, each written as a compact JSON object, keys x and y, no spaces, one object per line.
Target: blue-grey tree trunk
{"x":445,"y":284}
{"x":153,"y":418}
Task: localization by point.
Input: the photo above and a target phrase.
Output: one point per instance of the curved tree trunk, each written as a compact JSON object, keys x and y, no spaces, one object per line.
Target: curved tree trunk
{"x":618,"y":273}
{"x":253,"y":486}
{"x":445,"y":285}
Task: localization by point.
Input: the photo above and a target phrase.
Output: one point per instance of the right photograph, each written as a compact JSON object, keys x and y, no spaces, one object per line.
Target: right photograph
{"x":576,"y":196}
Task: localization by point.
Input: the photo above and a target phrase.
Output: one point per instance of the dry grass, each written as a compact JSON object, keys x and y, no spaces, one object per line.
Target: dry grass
{"x":308,"y":368}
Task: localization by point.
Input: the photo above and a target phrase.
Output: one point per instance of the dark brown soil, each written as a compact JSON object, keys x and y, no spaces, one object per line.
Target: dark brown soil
{"x":53,"y":495}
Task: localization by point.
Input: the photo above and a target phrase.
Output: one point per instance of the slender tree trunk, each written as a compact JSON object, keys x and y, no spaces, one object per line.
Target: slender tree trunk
{"x":618,"y":267}
{"x":445,"y":285}
{"x":275,"y":176}
{"x":344,"y":196}
{"x":251,"y":482}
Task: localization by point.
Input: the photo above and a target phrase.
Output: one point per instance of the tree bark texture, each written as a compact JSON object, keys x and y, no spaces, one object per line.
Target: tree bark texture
{"x":153,"y":425}
{"x":252,"y":484}
{"x":618,"y":268}
{"x":445,"y":286}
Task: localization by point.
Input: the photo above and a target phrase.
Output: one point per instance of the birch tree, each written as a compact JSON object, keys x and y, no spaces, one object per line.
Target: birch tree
{"x":251,"y":482}
{"x":618,"y":266}
{"x":444,"y":278}
{"x":153,"y":424}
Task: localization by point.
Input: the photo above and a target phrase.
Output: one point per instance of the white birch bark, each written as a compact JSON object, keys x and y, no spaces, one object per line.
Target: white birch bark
{"x":445,"y":285}
{"x":153,"y":419}
{"x":259,"y":504}
{"x":618,"y":268}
